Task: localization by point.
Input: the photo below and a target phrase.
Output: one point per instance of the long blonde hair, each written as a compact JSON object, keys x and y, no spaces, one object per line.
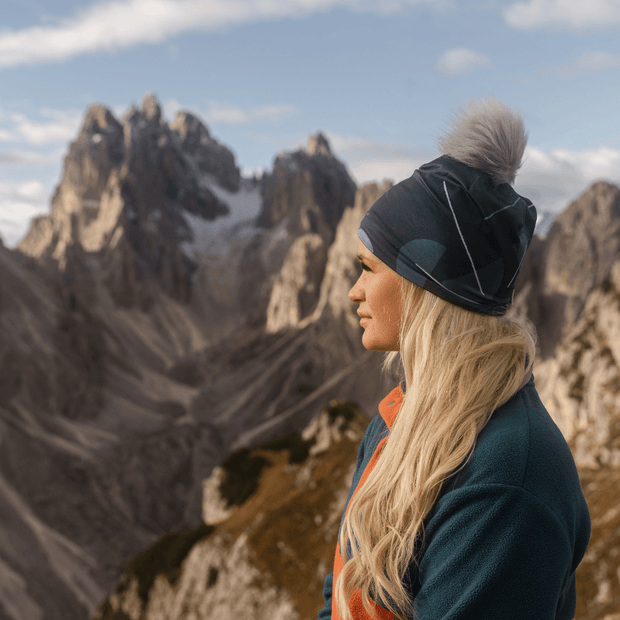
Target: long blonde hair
{"x":459,"y":366}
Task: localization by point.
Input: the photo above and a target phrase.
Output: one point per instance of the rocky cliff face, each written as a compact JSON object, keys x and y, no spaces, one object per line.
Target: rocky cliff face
{"x":580,"y":385}
{"x":308,"y":189}
{"x":315,"y":280}
{"x":124,"y":192}
{"x":575,"y":258}
{"x":209,"y":156}
{"x":304,"y":198}
{"x":250,"y":560}
{"x":116,"y":399}
{"x":568,"y":287}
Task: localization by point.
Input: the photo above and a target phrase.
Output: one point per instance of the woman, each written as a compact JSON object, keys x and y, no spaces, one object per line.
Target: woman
{"x":465,"y":503}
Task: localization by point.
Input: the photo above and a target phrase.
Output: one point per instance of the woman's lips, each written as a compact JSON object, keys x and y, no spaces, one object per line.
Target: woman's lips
{"x":362,"y":317}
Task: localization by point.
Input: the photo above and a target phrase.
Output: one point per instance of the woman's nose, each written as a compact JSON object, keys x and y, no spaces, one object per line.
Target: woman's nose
{"x":355,"y":293}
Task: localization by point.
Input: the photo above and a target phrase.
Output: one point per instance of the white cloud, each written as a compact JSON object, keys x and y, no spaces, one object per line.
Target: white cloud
{"x":589,"y":62}
{"x":19,"y":203}
{"x":551,"y":179}
{"x":350,"y":144}
{"x":120,"y":24}
{"x":272,"y":113}
{"x":233,"y":115}
{"x":369,"y":160}
{"x":230,"y":114}
{"x":380,"y":169}
{"x":27,"y":158}
{"x":59,"y":126}
{"x":575,"y":15}
{"x":586,"y":62}
{"x":62,"y":126}
{"x":461,"y":61}
{"x":225,"y":114}
{"x":29,"y":190}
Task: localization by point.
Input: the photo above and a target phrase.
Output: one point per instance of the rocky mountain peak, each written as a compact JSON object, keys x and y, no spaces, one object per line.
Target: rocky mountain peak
{"x":310,"y":189}
{"x":98,"y":119}
{"x":303,"y":201}
{"x":190,"y":127}
{"x":151,"y":108}
{"x":317,"y":143}
{"x":575,"y":259}
{"x":211,"y":157}
{"x":123,"y":194}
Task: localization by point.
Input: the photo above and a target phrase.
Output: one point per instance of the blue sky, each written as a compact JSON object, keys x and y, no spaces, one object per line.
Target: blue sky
{"x":380,"y":78}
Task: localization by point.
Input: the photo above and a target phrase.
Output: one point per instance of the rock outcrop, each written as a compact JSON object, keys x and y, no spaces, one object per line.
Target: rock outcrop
{"x":598,"y":588}
{"x":210,"y":157}
{"x":314,"y":282}
{"x":295,"y":290}
{"x":304,"y":198}
{"x":580,"y":385}
{"x":251,"y":561}
{"x":309,"y":189}
{"x":560,"y":273}
{"x":122,"y":198}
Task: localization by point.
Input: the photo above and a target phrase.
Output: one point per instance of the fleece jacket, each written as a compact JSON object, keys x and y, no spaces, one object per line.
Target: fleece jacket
{"x":508,"y":530}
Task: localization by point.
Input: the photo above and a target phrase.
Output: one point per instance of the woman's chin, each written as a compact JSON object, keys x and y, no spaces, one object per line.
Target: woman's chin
{"x":376,"y":344}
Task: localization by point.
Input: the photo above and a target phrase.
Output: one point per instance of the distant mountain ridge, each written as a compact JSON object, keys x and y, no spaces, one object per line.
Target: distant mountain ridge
{"x":116,"y":399}
{"x":123,"y":192}
{"x":143,"y":339}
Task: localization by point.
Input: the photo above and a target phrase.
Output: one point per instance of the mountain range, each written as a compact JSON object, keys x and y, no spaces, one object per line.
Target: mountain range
{"x":182,"y":380}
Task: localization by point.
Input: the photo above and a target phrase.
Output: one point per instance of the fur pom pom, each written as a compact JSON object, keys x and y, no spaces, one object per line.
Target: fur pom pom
{"x":487,"y":135}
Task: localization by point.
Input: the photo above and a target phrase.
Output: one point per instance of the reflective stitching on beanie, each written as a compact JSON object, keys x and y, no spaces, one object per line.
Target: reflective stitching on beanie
{"x":445,"y":287}
{"x":504,"y":208}
{"x":462,"y":238}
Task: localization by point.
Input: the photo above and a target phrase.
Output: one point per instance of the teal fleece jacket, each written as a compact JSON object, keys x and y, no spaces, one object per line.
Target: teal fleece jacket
{"x":505,"y":537}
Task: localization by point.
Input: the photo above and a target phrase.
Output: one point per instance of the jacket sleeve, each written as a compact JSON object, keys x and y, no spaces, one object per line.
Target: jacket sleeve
{"x":495,"y":551}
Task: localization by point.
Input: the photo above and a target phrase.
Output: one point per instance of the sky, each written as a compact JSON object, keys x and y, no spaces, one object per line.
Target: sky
{"x":380,"y":78}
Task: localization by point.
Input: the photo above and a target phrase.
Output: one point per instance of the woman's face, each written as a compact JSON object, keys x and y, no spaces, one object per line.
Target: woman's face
{"x":377,"y":291}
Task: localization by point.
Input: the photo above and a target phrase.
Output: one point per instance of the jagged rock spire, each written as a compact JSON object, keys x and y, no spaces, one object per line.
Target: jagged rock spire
{"x":211,"y":157}
{"x":151,"y":108}
{"x":318,"y":143}
{"x":124,"y":192}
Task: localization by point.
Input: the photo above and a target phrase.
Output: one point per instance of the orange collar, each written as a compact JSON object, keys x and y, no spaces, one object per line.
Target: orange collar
{"x":389,"y":406}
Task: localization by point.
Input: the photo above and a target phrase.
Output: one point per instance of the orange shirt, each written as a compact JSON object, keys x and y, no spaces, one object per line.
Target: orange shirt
{"x":388,"y":409}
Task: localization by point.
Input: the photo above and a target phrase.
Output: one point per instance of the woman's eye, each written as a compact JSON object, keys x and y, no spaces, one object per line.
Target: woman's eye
{"x":365,"y":267}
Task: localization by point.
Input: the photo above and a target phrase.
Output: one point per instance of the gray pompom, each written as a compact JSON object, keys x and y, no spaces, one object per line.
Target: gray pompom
{"x":487,"y":135}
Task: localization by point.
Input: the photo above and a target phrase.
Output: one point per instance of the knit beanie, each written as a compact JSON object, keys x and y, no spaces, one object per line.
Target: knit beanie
{"x":456,"y":227}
